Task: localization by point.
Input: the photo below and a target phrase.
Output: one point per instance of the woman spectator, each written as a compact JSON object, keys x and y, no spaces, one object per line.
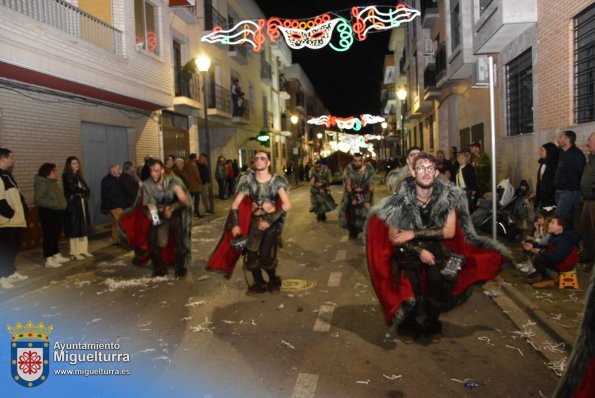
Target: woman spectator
{"x":77,"y":222}
{"x":545,"y":192}
{"x":129,"y":183}
{"x":51,"y":203}
{"x":466,"y":178}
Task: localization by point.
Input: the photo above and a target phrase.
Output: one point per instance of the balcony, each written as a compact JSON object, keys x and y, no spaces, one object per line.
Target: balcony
{"x":188,"y":95}
{"x":72,"y":20}
{"x":219,"y":99}
{"x":213,"y":18}
{"x":500,"y":22}
{"x":239,"y":53}
{"x":268,"y":121}
{"x":241,"y":114}
{"x":265,"y":71}
{"x":430,"y":90}
{"x":429,"y":13}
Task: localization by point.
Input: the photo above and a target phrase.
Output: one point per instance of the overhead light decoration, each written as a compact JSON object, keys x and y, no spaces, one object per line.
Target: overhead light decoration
{"x":346,"y":123}
{"x":329,"y":28}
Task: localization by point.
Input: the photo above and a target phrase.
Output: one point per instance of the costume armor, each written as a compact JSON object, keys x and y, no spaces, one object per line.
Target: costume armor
{"x":320,"y":196}
{"x":353,"y":213}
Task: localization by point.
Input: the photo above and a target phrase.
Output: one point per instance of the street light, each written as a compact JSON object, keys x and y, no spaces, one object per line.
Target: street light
{"x":402,"y":95}
{"x":203,"y":63}
{"x":294,"y":120}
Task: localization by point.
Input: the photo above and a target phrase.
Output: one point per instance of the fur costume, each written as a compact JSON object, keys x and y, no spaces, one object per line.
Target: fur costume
{"x":483,"y":256}
{"x":578,"y":380}
{"x":223,"y":258}
{"x":320,"y":197}
{"x":133,"y":229}
{"x":361,"y":213}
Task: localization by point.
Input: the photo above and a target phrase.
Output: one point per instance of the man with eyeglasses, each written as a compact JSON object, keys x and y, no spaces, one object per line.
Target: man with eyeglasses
{"x":358,"y":195}
{"x":412,"y":241}
{"x":258,"y":211}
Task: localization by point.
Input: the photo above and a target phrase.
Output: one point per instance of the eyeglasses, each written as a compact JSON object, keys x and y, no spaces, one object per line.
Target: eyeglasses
{"x":425,"y":169}
{"x":263,"y":158}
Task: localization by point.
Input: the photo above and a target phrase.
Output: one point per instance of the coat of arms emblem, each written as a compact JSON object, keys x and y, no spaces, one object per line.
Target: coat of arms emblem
{"x":30,"y":353}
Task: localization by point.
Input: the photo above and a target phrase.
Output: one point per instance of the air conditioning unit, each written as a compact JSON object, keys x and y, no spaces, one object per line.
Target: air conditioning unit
{"x":481,"y":72}
{"x":428,"y":47}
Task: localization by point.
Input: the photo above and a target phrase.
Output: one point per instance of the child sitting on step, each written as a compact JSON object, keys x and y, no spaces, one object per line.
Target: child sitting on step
{"x":560,"y":254}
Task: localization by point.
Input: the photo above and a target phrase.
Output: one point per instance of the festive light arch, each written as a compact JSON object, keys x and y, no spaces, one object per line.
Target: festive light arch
{"x":346,"y":123}
{"x":329,"y":28}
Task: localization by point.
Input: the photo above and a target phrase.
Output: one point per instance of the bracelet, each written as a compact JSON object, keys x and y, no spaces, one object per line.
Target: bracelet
{"x":234,"y":217}
{"x":429,"y":234}
{"x":412,"y":248}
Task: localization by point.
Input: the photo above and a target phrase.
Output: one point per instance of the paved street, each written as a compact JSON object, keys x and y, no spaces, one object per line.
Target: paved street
{"x":323,"y":336}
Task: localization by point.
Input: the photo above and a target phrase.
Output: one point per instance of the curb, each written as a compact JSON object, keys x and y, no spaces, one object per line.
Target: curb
{"x":556,"y":332}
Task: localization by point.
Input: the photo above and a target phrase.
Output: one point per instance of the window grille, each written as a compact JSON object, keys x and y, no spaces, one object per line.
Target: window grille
{"x":584,"y":66}
{"x":519,"y":94}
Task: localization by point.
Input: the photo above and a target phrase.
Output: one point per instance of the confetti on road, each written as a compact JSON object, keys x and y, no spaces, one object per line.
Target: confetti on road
{"x":487,"y":340}
{"x":280,"y":307}
{"x":392,"y":377}
{"x":203,"y":278}
{"x":516,"y":348}
{"x":93,"y":321}
{"x":288,"y":344}
{"x":557,"y":366}
{"x":195,"y":303}
{"x":366,"y":382}
{"x":556,"y":348}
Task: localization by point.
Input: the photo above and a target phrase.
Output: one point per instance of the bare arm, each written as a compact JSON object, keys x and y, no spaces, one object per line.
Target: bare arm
{"x":286,"y":204}
{"x":450,"y":227}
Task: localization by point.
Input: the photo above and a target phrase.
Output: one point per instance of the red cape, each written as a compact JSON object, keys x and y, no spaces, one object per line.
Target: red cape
{"x":481,"y":265}
{"x":134,"y":231}
{"x":224,"y":258}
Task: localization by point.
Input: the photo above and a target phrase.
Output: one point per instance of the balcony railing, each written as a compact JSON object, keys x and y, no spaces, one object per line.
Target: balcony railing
{"x":265,"y":70}
{"x":239,"y":52}
{"x":214,"y":18}
{"x":430,"y":76}
{"x":219,"y":98}
{"x":299,"y":99}
{"x":187,"y":86}
{"x":242,"y":111}
{"x":70,"y":19}
{"x":429,"y":12}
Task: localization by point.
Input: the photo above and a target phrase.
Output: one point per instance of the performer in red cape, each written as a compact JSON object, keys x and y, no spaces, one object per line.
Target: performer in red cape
{"x":578,"y":380}
{"x":422,"y":248}
{"x":258,"y":211}
{"x":160,"y":222}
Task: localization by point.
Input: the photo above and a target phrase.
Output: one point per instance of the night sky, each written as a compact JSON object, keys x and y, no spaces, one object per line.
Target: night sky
{"x":349,"y":82}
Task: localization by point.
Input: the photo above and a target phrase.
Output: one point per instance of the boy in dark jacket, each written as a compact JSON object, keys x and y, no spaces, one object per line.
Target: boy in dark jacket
{"x":558,"y":255}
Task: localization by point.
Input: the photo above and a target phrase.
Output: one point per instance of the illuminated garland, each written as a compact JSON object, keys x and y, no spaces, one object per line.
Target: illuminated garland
{"x":315,"y":32}
{"x":346,"y":123}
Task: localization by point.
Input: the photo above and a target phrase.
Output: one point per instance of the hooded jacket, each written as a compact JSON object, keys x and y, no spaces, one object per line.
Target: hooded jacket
{"x":48,"y":194}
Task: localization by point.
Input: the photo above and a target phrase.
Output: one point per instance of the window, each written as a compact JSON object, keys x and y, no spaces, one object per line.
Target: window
{"x":145,"y":25}
{"x":584,"y":66}
{"x":455,"y":26}
{"x":430,"y":122}
{"x":519,"y":94}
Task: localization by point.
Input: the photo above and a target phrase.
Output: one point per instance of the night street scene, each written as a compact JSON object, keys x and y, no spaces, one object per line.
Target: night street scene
{"x":263,"y":198}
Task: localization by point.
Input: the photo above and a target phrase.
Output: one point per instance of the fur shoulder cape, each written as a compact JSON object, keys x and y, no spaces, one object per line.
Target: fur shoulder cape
{"x":483,"y":256}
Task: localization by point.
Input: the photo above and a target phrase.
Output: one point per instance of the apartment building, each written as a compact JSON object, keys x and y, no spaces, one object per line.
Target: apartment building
{"x":82,"y":78}
{"x":245,"y":93}
{"x":544,"y":81}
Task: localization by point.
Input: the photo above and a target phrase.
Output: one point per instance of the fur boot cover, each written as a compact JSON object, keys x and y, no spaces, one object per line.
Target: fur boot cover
{"x":483,"y":256}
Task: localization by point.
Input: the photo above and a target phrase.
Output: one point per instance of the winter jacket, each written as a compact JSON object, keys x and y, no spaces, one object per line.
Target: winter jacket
{"x":13,"y":208}
{"x":112,"y":196}
{"x":561,"y":250}
{"x":192,"y":176}
{"x":569,"y":172}
{"x":545,"y":190}
{"x":77,"y":193}
{"x":48,"y":194}
{"x":588,"y":180}
{"x":130,"y":186}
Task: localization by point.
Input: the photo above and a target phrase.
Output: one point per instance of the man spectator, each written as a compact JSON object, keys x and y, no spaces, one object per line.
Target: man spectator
{"x":588,"y":211}
{"x":13,"y":210}
{"x":481,"y":162}
{"x":221,"y":176}
{"x":112,"y":198}
{"x":179,"y":170}
{"x":146,"y":171}
{"x":571,"y":163}
{"x":206,"y":182}
{"x":129,"y":184}
{"x":194,"y":181}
